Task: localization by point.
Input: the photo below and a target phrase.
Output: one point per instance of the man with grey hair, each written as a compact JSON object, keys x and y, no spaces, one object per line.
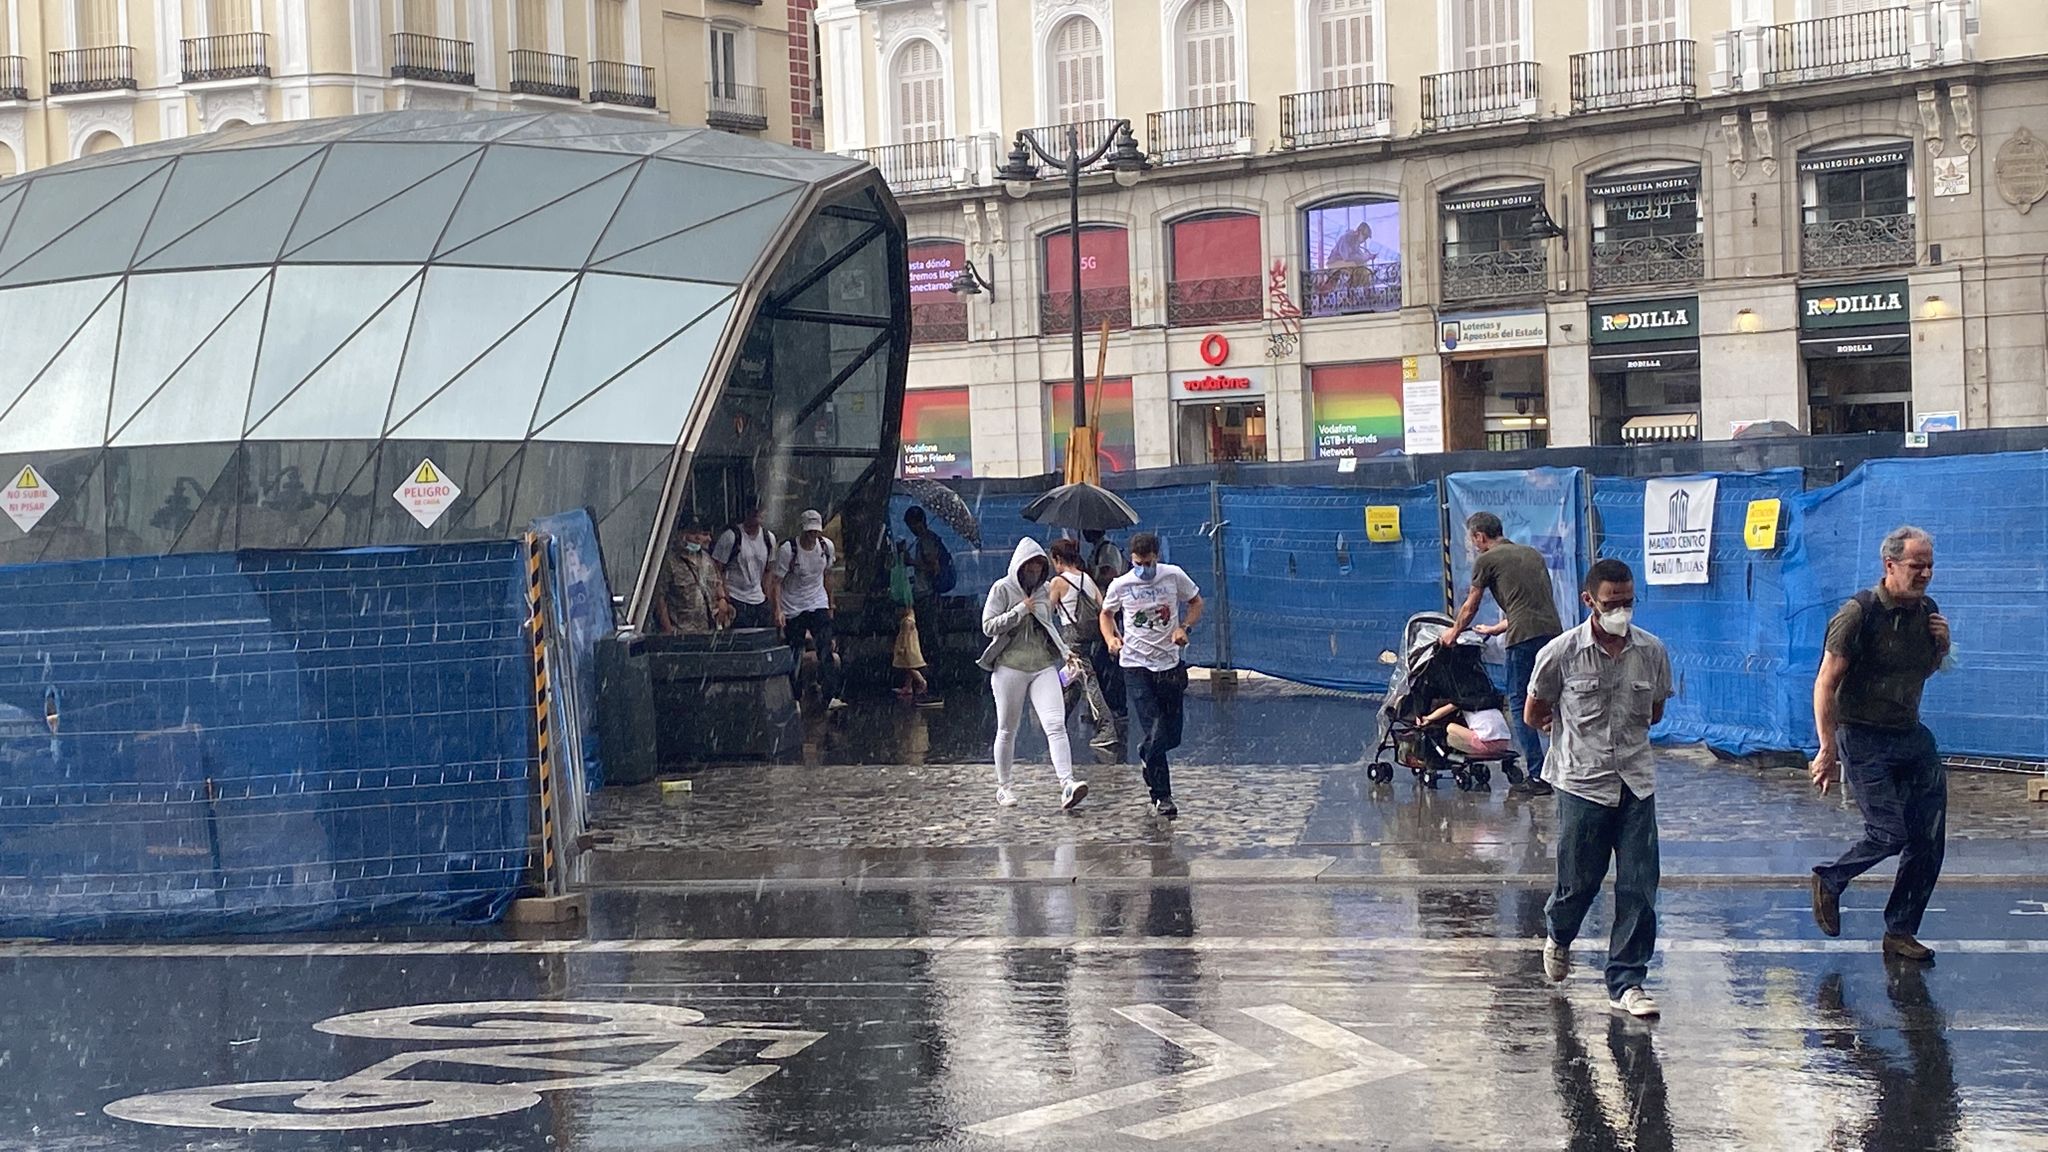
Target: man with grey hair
{"x":1881,"y":648}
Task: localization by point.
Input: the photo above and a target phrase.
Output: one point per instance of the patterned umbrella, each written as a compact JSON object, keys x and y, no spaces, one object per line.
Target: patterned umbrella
{"x":946,"y":505}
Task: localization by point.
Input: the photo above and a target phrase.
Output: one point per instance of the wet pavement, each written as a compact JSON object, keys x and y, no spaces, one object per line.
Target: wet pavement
{"x":864,"y":953}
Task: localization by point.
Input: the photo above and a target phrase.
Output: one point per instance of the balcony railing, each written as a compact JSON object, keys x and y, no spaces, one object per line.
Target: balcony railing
{"x":1337,"y":116}
{"x":1351,"y":289}
{"x":627,"y":85}
{"x":1208,"y":132}
{"x":1648,"y":261}
{"x":1056,"y":310}
{"x":13,"y":78}
{"x":430,"y":58}
{"x":919,"y":166}
{"x":1854,"y":45}
{"x":1859,"y":242}
{"x":545,"y":74}
{"x":1632,"y":77}
{"x":240,"y":56}
{"x":1504,"y":275}
{"x":1215,"y":301}
{"x":938,"y":321}
{"x":1476,"y":96}
{"x":92,"y":70}
{"x":735,"y":107}
{"x":1053,"y":138}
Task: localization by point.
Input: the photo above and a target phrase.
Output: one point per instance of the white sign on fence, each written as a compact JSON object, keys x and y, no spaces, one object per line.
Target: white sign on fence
{"x":1678,"y":530}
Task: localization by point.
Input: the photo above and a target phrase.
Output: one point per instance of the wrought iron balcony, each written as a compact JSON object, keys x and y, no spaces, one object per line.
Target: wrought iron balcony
{"x":1056,"y":310}
{"x":627,"y":85}
{"x":1053,"y":138}
{"x":1509,"y":274}
{"x":1632,"y":77}
{"x":1648,"y":261}
{"x":433,"y":59}
{"x":240,"y":56}
{"x":1859,"y":242}
{"x":1858,"y":44}
{"x":938,"y":321}
{"x":1190,"y":303}
{"x":1476,"y":96}
{"x":13,"y":78}
{"x":1208,"y":132}
{"x":735,"y":107}
{"x":92,"y":70}
{"x":1351,"y":289}
{"x":919,"y":166}
{"x":1337,"y":116}
{"x":545,"y":74}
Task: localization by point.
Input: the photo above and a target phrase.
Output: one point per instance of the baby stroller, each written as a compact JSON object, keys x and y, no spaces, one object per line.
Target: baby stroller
{"x":1426,"y":673}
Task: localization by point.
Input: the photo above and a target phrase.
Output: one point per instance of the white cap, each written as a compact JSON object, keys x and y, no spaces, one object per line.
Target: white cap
{"x":810,"y":521}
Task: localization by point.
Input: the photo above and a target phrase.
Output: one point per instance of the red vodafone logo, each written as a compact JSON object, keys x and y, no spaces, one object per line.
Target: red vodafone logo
{"x":1215,"y":349}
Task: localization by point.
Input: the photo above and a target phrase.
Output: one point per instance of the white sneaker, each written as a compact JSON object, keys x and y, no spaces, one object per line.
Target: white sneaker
{"x":1635,"y":1002}
{"x":1005,"y":798}
{"x":1073,"y":792}
{"x":1557,"y":961}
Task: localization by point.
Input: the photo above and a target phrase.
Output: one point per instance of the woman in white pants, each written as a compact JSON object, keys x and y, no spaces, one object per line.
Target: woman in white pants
{"x":1025,"y":659}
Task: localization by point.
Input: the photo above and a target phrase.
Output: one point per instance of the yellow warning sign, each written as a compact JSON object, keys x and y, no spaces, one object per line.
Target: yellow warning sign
{"x":29,"y":479}
{"x":1760,"y":530}
{"x":1383,"y":523}
{"x":426,"y":474}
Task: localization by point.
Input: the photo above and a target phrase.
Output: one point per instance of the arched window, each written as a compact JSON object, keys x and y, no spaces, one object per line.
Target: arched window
{"x":1351,"y":257}
{"x":1105,"y":280}
{"x":1342,"y":38}
{"x":1208,"y":54}
{"x":920,"y":93}
{"x":1214,"y":269}
{"x":8,"y":166}
{"x":99,"y":142}
{"x":1077,"y":88}
{"x":937,"y":314}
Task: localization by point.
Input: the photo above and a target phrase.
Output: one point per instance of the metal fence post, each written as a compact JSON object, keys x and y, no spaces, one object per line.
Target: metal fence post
{"x":1443,"y":520}
{"x":1226,"y":671}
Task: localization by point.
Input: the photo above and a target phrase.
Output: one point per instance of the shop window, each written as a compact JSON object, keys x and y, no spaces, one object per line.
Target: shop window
{"x":1646,"y":229}
{"x":1351,"y":258}
{"x":1105,"y":280}
{"x":1358,"y":409}
{"x":1858,"y":208}
{"x":1110,"y":413}
{"x":938,"y":442}
{"x":1221,"y":433}
{"x":1214,"y":270}
{"x":1488,"y":251}
{"x":937,"y":314}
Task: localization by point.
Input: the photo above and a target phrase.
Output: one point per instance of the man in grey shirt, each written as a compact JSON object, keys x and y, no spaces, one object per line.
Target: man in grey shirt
{"x":1520,"y":582}
{"x":1598,"y":689}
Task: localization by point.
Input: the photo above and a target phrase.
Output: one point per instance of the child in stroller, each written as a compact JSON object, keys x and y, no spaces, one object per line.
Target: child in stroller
{"x":1442,"y":712}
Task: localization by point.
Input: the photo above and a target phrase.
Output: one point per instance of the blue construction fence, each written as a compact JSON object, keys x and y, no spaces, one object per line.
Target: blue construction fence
{"x":264,"y":741}
{"x":1302,"y":595}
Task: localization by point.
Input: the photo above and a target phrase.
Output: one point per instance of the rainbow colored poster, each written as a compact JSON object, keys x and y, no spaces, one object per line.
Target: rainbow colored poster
{"x":1357,"y":409}
{"x":1117,"y":426}
{"x":938,"y":443}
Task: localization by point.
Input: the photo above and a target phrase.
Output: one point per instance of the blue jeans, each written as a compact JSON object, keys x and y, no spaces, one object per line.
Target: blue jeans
{"x":1156,"y":699}
{"x":1587,"y":835}
{"x":1900,"y":784}
{"x":1521,"y":666}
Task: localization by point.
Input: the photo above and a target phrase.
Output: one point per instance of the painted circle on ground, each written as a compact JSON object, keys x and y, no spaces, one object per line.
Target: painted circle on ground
{"x":1215,"y":349}
{"x":420,"y":1102}
{"x":488,"y":1020}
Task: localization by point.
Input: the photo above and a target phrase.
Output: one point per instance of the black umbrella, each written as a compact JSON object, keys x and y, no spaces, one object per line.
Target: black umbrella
{"x":1081,"y":507}
{"x":1768,"y":430}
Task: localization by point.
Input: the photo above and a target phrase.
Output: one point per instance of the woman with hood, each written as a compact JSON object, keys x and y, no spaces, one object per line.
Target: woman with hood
{"x":1026,"y":660}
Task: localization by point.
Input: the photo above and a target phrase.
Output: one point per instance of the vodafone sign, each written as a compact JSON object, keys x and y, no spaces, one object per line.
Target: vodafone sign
{"x":1219,"y":385}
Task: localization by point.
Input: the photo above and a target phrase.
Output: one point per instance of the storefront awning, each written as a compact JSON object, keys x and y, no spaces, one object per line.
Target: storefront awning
{"x":1671,"y":426}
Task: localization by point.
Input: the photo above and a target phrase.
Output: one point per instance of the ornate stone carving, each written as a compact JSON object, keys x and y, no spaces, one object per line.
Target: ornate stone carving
{"x":1046,"y":13}
{"x":894,"y":23}
{"x":14,"y":135}
{"x":1766,"y":140}
{"x":116,"y":116}
{"x":414,"y":96}
{"x":1930,"y":120}
{"x":2021,"y":171}
{"x":219,"y":106}
{"x":1731,"y":135}
{"x":1962,"y":104}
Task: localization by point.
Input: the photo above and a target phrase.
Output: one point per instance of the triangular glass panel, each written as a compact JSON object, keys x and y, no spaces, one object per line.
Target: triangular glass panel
{"x":146,"y":510}
{"x":76,"y":527}
{"x":493,"y":399}
{"x":430,"y":126}
{"x":514,"y":181}
{"x":167,"y":318}
{"x":647,"y":403}
{"x":307,"y":493}
{"x":207,"y":396}
{"x":251,"y":231}
{"x":74,"y":477}
{"x":10,"y":202}
{"x":197,"y":184}
{"x":67,"y":405}
{"x":266,"y":135}
{"x":402,"y":229}
{"x":554,"y":130}
{"x":614,"y":321}
{"x":358,"y":177}
{"x":485,"y":510}
{"x":40,"y":321}
{"x":312,"y":310}
{"x":100,"y":244}
{"x":670,"y":197}
{"x":470,"y":464}
{"x":349,"y":395}
{"x":212,"y":526}
{"x":723,"y":250}
{"x":54,"y":203}
{"x":463,"y":312}
{"x":560,"y":235}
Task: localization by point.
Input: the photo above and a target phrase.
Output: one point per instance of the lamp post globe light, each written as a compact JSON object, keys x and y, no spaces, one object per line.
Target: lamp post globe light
{"x":1126,"y":162}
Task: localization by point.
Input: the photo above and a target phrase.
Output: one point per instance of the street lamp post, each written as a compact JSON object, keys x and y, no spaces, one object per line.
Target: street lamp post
{"x":1020,"y":172}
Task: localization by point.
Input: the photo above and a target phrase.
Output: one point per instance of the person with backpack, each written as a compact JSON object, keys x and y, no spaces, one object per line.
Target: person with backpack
{"x":1881,"y":647}
{"x":931,"y":576}
{"x":1077,"y":604}
{"x":743,"y":554}
{"x":804,"y":603}
{"x":1104,"y":561}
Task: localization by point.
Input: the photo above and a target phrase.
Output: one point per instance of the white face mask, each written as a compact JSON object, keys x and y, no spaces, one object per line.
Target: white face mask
{"x":1615,"y":621}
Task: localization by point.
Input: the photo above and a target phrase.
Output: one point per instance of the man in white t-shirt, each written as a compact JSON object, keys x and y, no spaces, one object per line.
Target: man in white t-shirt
{"x":742,"y":554}
{"x":1146,"y":616}
{"x":801,"y":568}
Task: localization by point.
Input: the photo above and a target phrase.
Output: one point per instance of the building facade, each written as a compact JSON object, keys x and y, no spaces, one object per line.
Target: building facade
{"x":79,"y":77}
{"x":1420,"y":225}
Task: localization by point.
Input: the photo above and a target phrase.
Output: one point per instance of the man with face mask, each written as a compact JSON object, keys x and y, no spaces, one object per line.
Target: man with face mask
{"x":1598,"y":689}
{"x":692,"y":593}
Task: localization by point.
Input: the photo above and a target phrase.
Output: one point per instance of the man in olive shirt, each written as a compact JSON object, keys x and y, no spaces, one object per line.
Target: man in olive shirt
{"x":1881,"y":648}
{"x":1520,"y":583}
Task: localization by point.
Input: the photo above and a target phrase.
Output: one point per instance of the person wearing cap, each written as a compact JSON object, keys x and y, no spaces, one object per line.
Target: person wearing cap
{"x":692,"y":593}
{"x":804,"y":608}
